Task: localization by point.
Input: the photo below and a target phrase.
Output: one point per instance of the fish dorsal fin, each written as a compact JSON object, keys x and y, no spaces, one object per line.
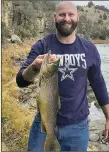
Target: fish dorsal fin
{"x":40,"y":79}
{"x":46,"y":58}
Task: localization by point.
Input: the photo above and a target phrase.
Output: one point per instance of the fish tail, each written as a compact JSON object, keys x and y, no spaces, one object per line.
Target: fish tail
{"x":51,"y":144}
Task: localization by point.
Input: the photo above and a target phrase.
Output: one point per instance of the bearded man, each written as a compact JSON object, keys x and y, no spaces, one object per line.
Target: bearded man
{"x":79,"y":61}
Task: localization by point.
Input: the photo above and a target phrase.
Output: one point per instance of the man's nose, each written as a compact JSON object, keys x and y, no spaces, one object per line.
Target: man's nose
{"x":66,"y":18}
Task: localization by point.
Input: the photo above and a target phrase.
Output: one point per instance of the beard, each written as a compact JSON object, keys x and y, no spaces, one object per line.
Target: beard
{"x":65,"y":30}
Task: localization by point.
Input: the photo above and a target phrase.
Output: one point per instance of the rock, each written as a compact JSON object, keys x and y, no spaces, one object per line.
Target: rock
{"x":17,"y":60}
{"x":89,"y":105}
{"x":9,"y":40}
{"x":103,"y":147}
{"x":97,"y":126}
{"x":92,"y":148}
{"x":97,"y":105}
{"x":89,"y":149}
{"x":16,"y":39}
{"x":102,"y":139}
{"x":94,"y":137}
{"x":107,"y":143}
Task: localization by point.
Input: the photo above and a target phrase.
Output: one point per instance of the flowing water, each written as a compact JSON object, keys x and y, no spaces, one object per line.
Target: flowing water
{"x":104,"y":54}
{"x":103,"y":49}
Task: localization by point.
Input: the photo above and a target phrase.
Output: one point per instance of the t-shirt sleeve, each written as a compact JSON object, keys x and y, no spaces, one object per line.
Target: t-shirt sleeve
{"x":96,"y":79}
{"x":36,"y":49}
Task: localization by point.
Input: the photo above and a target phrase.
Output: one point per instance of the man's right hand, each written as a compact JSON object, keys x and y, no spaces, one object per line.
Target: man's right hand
{"x":38,"y":61}
{"x":33,"y":69}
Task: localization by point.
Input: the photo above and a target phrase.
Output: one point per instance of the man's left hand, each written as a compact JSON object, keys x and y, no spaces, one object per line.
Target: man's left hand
{"x":106,"y":133}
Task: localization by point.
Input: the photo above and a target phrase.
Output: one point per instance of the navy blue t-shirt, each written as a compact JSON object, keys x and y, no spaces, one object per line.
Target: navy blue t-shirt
{"x":79,"y":61}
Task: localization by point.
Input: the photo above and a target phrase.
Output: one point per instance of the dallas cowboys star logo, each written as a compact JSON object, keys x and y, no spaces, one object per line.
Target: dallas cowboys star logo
{"x":67,"y":72}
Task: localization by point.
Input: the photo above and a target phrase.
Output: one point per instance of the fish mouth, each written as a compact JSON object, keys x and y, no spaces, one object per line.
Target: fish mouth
{"x":55,"y":61}
{"x":52,"y":62}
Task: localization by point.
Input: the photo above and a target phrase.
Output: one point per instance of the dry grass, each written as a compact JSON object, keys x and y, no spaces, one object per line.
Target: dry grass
{"x":16,"y":127}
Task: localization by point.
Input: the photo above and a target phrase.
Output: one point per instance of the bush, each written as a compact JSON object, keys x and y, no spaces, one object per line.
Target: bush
{"x":4,"y":30}
{"x":103,"y":8}
{"x":90,"y":4}
{"x":4,"y":33}
{"x":100,"y":16}
{"x":104,"y":16}
{"x":22,"y":32}
{"x":100,"y":21}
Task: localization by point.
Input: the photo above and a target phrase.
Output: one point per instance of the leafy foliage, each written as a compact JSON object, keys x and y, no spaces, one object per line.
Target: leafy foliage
{"x":104,"y":16}
{"x":32,"y":19}
{"x":90,"y":4}
{"x":103,"y":8}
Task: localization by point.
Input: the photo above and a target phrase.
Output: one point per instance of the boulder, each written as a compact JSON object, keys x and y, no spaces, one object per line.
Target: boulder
{"x":94,"y":137}
{"x":16,"y":39}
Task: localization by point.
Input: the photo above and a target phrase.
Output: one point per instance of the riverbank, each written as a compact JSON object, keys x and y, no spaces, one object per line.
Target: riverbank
{"x":96,"y":137}
{"x":100,"y":41}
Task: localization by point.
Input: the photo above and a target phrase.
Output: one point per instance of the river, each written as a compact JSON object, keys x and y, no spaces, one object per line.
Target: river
{"x":104,"y":54}
{"x":103,"y":49}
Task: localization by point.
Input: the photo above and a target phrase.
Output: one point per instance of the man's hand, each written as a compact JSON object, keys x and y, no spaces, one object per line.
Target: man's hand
{"x":38,"y":61}
{"x":106,"y":133}
{"x":105,"y":109}
{"x":33,"y":69}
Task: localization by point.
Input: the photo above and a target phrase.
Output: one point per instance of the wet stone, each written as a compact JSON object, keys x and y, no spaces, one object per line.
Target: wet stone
{"x":93,"y":137}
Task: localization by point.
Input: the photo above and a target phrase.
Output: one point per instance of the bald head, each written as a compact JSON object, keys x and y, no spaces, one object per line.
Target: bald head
{"x":66,"y":5}
{"x":66,"y":18}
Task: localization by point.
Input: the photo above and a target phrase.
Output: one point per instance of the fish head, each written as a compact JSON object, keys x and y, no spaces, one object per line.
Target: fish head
{"x":49,"y":68}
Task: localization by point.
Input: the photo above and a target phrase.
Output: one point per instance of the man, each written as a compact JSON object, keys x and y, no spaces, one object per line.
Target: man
{"x":79,"y":60}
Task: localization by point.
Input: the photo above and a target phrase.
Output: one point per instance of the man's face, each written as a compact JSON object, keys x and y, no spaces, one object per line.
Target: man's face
{"x":66,"y":19}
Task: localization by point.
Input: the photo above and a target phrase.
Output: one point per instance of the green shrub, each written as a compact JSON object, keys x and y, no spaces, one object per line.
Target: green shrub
{"x":104,"y":16}
{"x":4,"y":30}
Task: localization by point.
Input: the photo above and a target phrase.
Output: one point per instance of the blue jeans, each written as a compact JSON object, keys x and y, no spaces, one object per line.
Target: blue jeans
{"x":73,"y":137}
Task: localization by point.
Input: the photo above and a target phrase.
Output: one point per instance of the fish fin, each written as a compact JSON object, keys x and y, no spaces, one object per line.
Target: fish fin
{"x":40,"y":79}
{"x":37,"y":101}
{"x":59,"y":103}
{"x":42,"y":127}
{"x":38,"y":107}
{"x":51,"y":144}
{"x":39,"y":82}
{"x":46,"y":58}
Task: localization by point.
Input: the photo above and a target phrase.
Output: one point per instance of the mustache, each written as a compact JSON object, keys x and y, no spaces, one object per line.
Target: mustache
{"x":66,"y":22}
{"x":66,"y":31}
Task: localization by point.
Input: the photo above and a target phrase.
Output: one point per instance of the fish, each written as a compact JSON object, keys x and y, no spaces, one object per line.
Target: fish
{"x":48,"y":101}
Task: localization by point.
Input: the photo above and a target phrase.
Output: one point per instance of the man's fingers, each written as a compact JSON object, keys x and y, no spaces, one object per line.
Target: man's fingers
{"x":106,"y":134}
{"x":41,"y":57}
{"x":52,"y":58}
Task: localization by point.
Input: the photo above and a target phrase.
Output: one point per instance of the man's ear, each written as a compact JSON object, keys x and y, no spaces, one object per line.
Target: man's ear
{"x":54,"y":20}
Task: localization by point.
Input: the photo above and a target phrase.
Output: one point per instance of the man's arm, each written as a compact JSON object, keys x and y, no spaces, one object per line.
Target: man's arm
{"x":28,"y":71}
{"x":99,"y":87}
{"x":96,"y":79}
{"x":105,"y":109}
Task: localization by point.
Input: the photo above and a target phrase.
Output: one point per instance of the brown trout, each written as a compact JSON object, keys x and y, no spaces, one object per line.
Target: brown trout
{"x":48,"y":101}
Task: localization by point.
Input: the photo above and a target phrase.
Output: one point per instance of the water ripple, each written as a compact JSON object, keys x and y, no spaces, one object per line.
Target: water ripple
{"x":104,"y":54}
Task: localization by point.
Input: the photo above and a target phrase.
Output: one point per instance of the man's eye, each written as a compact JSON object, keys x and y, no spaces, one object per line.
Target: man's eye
{"x":71,"y":14}
{"x":61,"y":15}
